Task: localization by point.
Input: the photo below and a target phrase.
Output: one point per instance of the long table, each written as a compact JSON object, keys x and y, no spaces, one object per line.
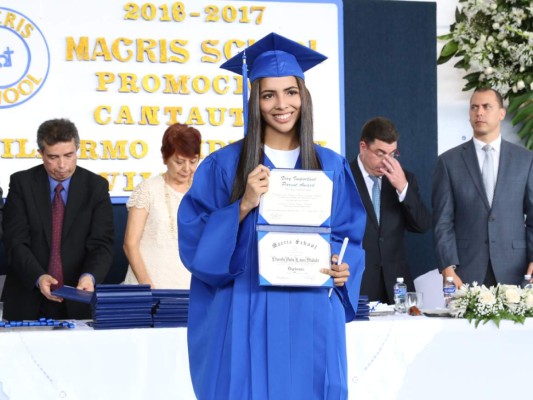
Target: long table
{"x":412,"y":358}
{"x":389,"y":358}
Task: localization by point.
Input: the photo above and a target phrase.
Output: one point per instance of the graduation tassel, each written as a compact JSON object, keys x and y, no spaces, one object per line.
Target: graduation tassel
{"x":245,"y":92}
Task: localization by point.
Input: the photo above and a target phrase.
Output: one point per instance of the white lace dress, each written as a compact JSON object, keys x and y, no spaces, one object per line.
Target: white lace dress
{"x":159,"y":242}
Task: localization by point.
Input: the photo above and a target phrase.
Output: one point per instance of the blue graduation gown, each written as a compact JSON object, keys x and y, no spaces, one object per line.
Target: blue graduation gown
{"x":254,"y":342}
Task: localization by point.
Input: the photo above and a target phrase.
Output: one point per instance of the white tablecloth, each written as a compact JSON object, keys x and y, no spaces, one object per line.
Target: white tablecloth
{"x":412,"y":358}
{"x":389,"y":358}
{"x":97,"y":365}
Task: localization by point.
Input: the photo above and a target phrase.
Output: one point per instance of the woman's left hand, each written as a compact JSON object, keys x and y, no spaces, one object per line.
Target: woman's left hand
{"x":340,"y":273}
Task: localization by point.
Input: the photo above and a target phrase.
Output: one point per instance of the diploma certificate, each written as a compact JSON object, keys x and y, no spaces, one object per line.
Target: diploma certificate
{"x":294,"y":259}
{"x":297,"y":197}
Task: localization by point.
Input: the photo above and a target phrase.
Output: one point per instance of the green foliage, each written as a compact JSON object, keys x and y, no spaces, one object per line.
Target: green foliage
{"x":493,"y":41}
{"x":480,"y":304}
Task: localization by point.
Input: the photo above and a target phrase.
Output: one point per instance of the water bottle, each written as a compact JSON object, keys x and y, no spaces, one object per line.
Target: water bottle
{"x":400,"y":292}
{"x":449,"y":290}
{"x":525,"y":283}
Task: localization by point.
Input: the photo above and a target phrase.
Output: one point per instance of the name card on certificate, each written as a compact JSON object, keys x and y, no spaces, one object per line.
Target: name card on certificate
{"x":294,"y":229}
{"x":297,"y":197}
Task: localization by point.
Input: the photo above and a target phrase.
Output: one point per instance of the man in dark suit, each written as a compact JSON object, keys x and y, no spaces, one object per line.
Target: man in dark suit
{"x":400,"y":208}
{"x":483,"y":202}
{"x":85,"y":238}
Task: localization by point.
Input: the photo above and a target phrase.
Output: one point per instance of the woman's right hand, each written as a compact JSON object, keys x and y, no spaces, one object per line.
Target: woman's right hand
{"x":256,"y":185}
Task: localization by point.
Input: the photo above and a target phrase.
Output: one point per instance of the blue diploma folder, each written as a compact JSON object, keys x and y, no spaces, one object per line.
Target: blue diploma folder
{"x":71,"y":293}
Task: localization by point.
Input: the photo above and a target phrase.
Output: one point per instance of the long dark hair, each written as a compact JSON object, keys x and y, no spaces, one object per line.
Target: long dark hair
{"x":252,"y":148}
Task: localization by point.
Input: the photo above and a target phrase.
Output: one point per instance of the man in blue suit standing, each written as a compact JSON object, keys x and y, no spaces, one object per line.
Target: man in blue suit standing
{"x":483,"y":202}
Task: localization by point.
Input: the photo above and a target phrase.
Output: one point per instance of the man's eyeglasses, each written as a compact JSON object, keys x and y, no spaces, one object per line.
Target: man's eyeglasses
{"x":381,"y":154}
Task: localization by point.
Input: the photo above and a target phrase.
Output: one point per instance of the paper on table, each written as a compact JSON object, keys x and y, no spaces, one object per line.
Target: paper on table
{"x":377,"y":308}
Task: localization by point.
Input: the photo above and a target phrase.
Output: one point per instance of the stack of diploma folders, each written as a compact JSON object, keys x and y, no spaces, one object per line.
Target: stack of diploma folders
{"x":363,"y":309}
{"x":170,"y":307}
{"x":132,"y":306}
{"x":122,"y":306}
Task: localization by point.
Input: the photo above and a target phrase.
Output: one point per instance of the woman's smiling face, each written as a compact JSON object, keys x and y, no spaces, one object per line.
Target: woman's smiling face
{"x":280,"y":103}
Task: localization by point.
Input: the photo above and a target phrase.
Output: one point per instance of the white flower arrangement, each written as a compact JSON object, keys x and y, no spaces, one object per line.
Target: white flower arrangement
{"x":496,"y":303}
{"x":495,"y":40}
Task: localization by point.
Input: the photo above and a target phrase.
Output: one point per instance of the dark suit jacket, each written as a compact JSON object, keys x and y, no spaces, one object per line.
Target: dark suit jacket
{"x":87,"y":238}
{"x":468,"y":232}
{"x":384,"y":243}
{"x":1,"y":211}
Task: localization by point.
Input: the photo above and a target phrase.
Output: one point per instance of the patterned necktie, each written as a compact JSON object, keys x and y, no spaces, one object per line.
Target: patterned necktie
{"x":55,"y":266}
{"x":376,"y":195}
{"x":487,"y":172}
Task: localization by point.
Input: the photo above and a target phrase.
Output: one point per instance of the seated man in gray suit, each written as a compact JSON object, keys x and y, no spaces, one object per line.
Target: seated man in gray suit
{"x":483,"y":202}
{"x":58,"y":229}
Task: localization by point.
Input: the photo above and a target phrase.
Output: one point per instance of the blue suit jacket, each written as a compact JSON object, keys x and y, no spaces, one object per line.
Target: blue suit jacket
{"x":467,"y":231}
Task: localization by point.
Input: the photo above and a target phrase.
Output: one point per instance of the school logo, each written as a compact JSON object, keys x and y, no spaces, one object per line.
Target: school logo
{"x":24,"y":58}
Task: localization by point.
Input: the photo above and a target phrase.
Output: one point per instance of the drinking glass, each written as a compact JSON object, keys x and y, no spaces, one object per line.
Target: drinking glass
{"x":413,"y":299}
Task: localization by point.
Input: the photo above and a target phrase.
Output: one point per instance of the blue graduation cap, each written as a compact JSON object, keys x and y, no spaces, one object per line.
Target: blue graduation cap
{"x":270,"y":57}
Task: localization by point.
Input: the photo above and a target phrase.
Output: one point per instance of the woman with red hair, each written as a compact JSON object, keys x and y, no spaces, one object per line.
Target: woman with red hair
{"x":151,"y":238}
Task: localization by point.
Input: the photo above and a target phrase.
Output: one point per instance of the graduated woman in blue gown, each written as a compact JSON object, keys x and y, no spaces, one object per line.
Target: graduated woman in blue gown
{"x":248,"y":341}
